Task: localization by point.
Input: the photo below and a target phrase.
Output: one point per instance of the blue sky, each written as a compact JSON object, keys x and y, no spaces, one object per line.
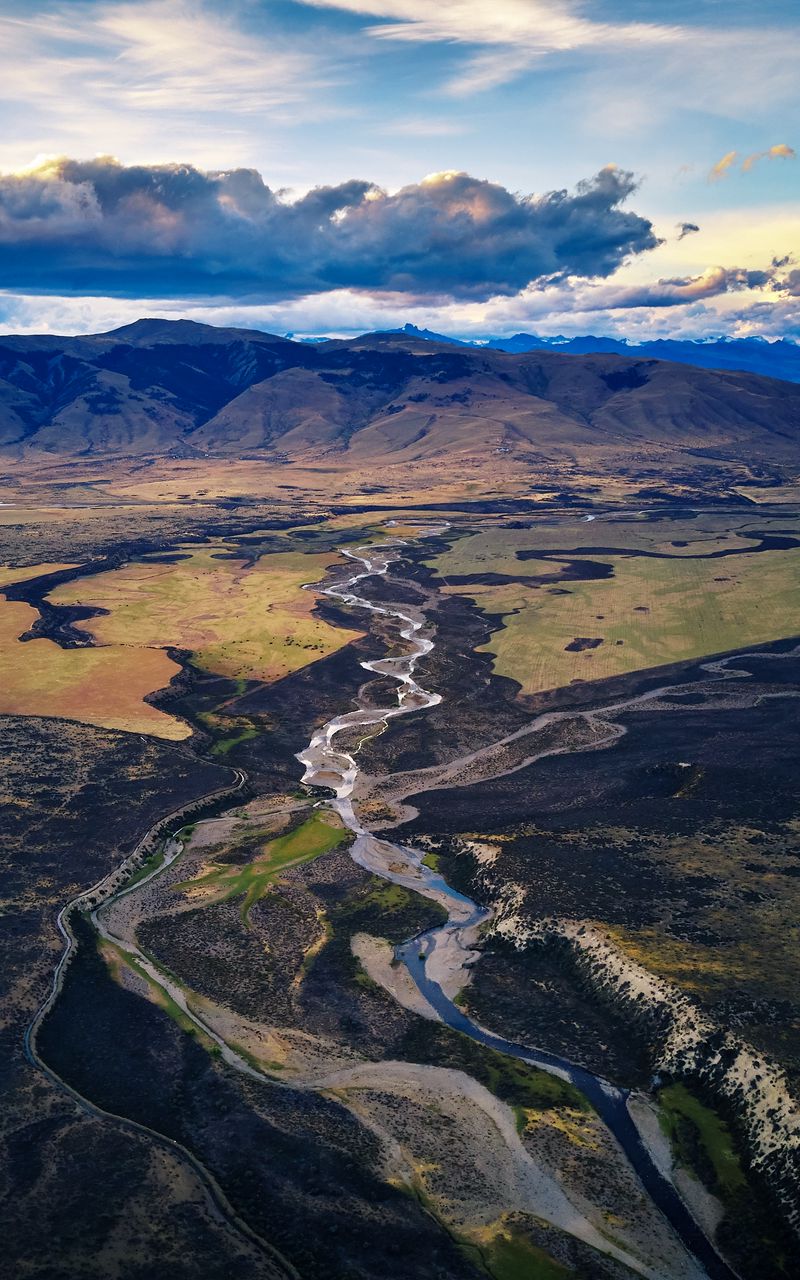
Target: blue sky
{"x":698,"y":101}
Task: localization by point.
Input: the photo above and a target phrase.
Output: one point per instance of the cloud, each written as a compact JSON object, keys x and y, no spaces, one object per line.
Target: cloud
{"x":150,"y":56}
{"x":676,"y":292}
{"x":792,"y":284}
{"x":99,"y":227}
{"x":714,"y":303}
{"x":720,"y":169}
{"x":516,"y":33}
{"x":687,"y":229}
{"x":781,"y":151}
{"x":134,"y":74}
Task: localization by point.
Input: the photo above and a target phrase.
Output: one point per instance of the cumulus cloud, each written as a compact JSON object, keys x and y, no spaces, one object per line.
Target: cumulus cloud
{"x":99,"y":227}
{"x":687,"y":229}
{"x":677,"y":292}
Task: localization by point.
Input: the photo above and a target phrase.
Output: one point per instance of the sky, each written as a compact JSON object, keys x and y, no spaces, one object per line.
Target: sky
{"x":478,"y":167}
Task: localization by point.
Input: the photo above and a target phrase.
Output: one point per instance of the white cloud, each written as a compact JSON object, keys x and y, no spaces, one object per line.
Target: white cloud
{"x":517,"y":31}
{"x":133,"y":72}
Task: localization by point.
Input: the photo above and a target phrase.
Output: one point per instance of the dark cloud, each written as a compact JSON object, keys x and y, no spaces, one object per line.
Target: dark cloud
{"x":98,"y":227}
{"x":791,"y":284}
{"x":685,"y":289}
{"x":687,"y":229}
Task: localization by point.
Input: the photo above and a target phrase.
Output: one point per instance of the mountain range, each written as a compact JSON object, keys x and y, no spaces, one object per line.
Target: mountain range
{"x":779,"y":359}
{"x":181,"y":389}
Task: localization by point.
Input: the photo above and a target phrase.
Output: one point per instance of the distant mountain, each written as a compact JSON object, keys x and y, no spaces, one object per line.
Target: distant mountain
{"x":175,"y":388}
{"x":779,"y":359}
{"x":411,"y":331}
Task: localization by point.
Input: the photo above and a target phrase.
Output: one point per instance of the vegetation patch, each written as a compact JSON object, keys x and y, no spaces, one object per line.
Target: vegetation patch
{"x":241,"y":620}
{"x":701,"y":1140}
{"x":104,"y":687}
{"x":515,"y":1082}
{"x":512,"y":1257}
{"x":320,"y":833}
{"x":9,"y":576}
{"x":560,"y":625}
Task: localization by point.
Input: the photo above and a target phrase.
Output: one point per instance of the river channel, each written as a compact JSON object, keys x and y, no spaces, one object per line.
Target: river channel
{"x":432,"y":958}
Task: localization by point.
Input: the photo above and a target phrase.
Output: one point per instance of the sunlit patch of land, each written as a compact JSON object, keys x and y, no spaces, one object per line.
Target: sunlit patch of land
{"x":250,"y":881}
{"x":510,"y":1256}
{"x":252,"y":623}
{"x":310,"y":484}
{"x":493,"y":549}
{"x":785,"y":493}
{"x":9,"y":576}
{"x":650,"y":613}
{"x":104,"y":687}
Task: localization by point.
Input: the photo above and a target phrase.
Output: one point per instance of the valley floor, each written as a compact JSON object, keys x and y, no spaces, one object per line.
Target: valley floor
{"x":287,"y":1027}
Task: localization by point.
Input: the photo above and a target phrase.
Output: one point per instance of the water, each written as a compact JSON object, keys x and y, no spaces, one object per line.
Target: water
{"x":439,"y":949}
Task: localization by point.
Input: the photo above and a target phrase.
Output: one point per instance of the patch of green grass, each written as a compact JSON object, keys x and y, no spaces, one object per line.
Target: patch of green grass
{"x":153,"y":862}
{"x":528,"y":1087}
{"x":648,"y":613}
{"x":314,"y":837}
{"x":515,"y":1082}
{"x":432,"y":860}
{"x":701,"y":1140}
{"x":512,"y":1257}
{"x":224,"y":745}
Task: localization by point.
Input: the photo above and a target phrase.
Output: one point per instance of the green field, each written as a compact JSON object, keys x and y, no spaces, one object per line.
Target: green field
{"x":701,"y":1140}
{"x":512,"y":1257}
{"x":253,"y":623}
{"x":650,"y":613}
{"x":317,"y":835}
{"x":495,"y":549}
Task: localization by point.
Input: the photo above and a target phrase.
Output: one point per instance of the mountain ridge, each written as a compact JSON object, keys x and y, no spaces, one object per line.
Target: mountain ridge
{"x":779,"y":359}
{"x":176,"y":388}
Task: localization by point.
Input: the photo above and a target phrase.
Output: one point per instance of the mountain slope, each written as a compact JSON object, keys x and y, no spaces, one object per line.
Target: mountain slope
{"x":179,"y":389}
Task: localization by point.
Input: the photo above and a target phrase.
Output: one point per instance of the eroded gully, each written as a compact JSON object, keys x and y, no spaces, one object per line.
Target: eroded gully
{"x":437,"y":959}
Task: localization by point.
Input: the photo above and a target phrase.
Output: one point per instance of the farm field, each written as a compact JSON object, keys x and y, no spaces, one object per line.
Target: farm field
{"x":104,"y":687}
{"x":251,"y":623}
{"x":647,"y":613}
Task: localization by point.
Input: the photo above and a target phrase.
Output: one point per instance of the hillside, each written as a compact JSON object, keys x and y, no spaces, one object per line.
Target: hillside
{"x":179,"y":389}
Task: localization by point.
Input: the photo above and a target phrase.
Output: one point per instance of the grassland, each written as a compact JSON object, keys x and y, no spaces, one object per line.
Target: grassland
{"x":494,"y":549}
{"x":650,"y":613}
{"x":244,"y":623}
{"x":104,"y":687}
{"x":699,"y":1136}
{"x":512,"y":1257}
{"x":320,"y":833}
{"x":9,"y":576}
